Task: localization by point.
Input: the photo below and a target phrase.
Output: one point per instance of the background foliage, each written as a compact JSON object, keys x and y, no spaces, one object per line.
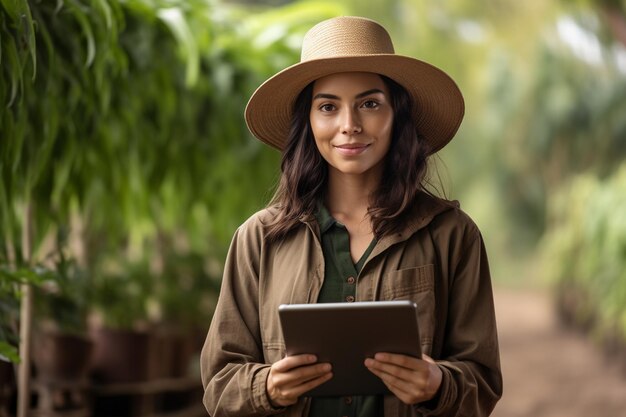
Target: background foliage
{"x":121,"y":126}
{"x":586,"y":253}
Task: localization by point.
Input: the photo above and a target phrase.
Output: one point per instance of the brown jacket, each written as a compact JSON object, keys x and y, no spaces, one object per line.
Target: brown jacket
{"x":439,"y":261}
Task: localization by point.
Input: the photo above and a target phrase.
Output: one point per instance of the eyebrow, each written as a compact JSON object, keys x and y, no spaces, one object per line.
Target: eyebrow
{"x":360,"y":95}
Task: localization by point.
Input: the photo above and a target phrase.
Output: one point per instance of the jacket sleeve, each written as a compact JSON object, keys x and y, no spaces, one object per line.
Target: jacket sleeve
{"x":469,"y":359}
{"x":232,"y":364}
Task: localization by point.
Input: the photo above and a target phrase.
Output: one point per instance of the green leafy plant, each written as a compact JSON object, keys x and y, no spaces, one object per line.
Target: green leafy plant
{"x":123,"y":120}
{"x":11,"y":280}
{"x":64,"y":300}
{"x":586,"y":253}
{"x":186,"y":290}
{"x":123,"y":294}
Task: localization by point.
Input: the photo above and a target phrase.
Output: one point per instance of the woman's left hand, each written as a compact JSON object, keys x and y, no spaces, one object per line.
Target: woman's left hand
{"x":412,"y":380}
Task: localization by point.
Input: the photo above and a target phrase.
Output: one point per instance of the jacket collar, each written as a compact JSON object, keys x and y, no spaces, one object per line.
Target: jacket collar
{"x":425,"y":209}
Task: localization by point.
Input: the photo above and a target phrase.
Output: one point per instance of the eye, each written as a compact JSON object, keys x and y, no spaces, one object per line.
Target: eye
{"x":370,"y":104}
{"x":327,"y":107}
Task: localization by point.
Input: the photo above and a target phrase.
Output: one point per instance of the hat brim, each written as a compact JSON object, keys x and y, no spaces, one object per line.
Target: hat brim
{"x":438,"y":103}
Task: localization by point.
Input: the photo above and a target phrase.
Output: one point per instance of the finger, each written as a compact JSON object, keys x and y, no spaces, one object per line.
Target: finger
{"x":412,"y":381}
{"x":296,"y":376}
{"x":388,"y":376}
{"x":399,"y":372}
{"x":290,"y":396}
{"x":411,"y":385}
{"x":310,"y":384}
{"x":307,"y":373}
{"x":285,"y":388}
{"x":290,"y":362}
{"x":407,"y":391}
{"x":404,"y":361}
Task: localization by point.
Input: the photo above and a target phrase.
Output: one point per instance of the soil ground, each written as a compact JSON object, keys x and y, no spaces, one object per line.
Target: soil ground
{"x":549,"y":370}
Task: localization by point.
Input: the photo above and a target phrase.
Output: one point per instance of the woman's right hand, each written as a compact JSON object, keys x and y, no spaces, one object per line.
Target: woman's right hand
{"x":292,"y":376}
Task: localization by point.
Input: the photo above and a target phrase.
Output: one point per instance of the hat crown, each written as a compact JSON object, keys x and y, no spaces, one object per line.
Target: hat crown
{"x":345,"y":36}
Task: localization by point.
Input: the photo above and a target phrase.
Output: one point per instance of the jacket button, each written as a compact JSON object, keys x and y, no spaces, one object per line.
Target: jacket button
{"x":350,"y":298}
{"x":351,"y":280}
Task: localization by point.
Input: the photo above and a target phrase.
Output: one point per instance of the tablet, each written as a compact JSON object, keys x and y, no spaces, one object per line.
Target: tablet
{"x":344,"y":334}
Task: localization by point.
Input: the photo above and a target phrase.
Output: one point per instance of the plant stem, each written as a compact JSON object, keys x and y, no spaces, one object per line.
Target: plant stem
{"x":10,"y":250}
{"x":26,"y":310}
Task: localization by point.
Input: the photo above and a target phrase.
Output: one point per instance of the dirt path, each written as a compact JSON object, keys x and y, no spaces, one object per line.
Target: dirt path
{"x":550,"y":371}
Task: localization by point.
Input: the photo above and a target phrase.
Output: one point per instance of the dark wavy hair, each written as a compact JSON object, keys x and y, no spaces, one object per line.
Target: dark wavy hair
{"x":304,"y":177}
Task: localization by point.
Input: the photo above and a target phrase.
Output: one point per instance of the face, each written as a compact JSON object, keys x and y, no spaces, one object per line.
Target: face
{"x":352,"y":119}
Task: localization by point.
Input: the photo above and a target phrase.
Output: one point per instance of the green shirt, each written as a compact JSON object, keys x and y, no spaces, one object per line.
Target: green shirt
{"x":340,"y":276}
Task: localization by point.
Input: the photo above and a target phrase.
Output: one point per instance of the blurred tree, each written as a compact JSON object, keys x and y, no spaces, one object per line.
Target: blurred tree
{"x":585,"y":256}
{"x":613,"y":13}
{"x":544,"y":91}
{"x":567,"y":120}
{"x":123,"y":120}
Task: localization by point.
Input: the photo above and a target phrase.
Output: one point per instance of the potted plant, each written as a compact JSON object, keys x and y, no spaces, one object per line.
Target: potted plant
{"x":186,"y":292}
{"x":121,"y":328}
{"x":62,"y":348}
{"x":11,"y":279}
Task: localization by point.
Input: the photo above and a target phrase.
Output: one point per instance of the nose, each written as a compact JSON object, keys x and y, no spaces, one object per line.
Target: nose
{"x":350,"y":123}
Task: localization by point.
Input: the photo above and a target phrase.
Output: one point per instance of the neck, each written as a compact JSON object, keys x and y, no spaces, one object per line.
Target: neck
{"x":349,"y":195}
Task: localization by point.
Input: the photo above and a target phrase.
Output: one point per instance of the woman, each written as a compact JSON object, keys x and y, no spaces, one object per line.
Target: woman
{"x":352,"y":221}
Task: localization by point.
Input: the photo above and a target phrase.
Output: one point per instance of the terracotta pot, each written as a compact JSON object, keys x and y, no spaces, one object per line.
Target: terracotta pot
{"x":172,"y":353}
{"x":59,"y":356}
{"x":122,"y":355}
{"x":161,"y":354}
{"x":181,"y":353}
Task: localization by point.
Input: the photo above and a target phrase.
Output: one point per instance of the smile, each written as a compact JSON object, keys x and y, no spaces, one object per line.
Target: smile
{"x":352,"y":149}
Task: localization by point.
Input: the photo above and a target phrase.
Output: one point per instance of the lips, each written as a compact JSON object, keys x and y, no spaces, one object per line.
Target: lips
{"x":351,"y":149}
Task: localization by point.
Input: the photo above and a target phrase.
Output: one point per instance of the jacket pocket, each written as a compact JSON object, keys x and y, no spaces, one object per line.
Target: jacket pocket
{"x":415,"y":284}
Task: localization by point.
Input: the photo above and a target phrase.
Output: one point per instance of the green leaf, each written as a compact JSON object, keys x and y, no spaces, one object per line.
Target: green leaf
{"x":85,"y":25}
{"x":5,"y":205}
{"x":33,"y":276}
{"x":14,"y":67}
{"x":105,"y":8}
{"x":175,"y":20}
{"x":20,"y":13}
{"x":8,"y":353}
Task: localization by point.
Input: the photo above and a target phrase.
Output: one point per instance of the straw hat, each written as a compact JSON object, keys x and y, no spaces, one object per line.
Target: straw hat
{"x":351,"y":44}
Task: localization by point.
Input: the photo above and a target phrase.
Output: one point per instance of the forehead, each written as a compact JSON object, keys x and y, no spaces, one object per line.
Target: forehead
{"x":349,"y":82}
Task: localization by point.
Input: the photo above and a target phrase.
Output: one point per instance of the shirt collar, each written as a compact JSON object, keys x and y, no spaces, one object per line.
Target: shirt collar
{"x":323,"y":217}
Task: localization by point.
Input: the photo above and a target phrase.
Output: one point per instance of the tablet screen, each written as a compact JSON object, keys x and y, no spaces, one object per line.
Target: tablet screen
{"x":344,"y":334}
